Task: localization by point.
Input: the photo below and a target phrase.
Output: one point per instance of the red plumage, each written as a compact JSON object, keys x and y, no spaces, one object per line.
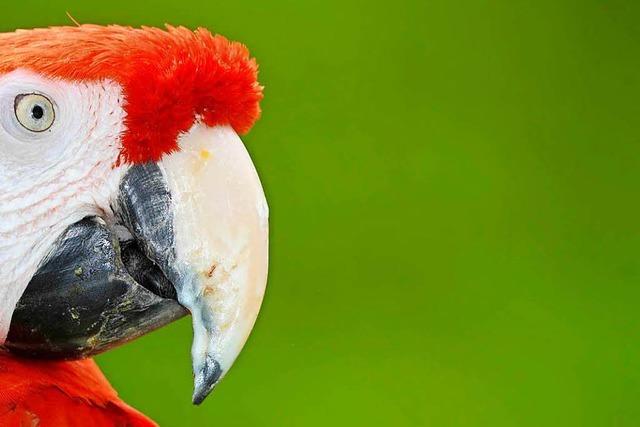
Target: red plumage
{"x":60,"y":394}
{"x":170,"y":78}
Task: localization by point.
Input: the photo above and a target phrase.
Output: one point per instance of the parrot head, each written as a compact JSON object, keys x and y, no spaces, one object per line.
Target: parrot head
{"x":127,"y":199}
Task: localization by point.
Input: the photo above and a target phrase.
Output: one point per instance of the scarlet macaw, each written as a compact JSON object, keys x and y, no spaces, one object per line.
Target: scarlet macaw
{"x":126,"y":200}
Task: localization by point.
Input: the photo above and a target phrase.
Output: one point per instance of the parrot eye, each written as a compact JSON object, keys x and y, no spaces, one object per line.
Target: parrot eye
{"x":34,"y":112}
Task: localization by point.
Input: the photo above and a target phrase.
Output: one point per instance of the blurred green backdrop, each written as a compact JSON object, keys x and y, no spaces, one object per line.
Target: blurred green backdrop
{"x":454,"y":214}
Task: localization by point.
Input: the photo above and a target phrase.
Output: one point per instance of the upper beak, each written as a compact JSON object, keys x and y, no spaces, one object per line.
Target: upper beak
{"x":190,"y":232}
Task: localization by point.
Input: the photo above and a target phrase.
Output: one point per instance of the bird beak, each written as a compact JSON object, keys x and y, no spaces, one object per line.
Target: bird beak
{"x":191,"y":235}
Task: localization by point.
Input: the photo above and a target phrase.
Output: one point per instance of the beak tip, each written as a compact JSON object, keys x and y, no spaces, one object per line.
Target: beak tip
{"x":198,"y":398}
{"x":205,"y":380}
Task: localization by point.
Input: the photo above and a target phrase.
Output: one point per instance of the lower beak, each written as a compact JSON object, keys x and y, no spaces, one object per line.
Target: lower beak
{"x":192,"y":234}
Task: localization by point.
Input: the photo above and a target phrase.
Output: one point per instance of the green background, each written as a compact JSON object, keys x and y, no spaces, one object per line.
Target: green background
{"x":454,"y":211}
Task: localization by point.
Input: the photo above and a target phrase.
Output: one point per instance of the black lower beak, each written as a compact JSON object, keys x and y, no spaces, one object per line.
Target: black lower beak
{"x":89,"y":296}
{"x":93,"y":292}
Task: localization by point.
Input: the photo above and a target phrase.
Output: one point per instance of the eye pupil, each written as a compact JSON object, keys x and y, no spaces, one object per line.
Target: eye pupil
{"x":37,"y":112}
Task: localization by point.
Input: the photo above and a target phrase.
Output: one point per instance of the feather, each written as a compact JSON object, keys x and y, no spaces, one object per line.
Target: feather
{"x":60,"y":394}
{"x":170,"y":78}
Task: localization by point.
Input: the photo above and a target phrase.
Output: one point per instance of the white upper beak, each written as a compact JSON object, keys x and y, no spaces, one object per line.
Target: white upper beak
{"x":221,"y":237}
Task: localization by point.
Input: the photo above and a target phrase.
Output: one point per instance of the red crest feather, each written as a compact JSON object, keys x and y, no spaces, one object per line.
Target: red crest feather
{"x":170,"y":77}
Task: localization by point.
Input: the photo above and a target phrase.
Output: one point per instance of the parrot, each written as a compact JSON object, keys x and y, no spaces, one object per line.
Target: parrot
{"x":127,"y":201}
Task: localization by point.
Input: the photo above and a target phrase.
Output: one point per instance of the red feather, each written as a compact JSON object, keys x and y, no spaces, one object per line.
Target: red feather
{"x":170,"y":78}
{"x":60,"y":394}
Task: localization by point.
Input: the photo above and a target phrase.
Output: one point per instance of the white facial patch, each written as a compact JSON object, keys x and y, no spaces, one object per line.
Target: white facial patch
{"x":53,"y":178}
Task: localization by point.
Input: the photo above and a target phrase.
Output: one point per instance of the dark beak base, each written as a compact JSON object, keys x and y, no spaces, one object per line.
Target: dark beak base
{"x":93,"y":293}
